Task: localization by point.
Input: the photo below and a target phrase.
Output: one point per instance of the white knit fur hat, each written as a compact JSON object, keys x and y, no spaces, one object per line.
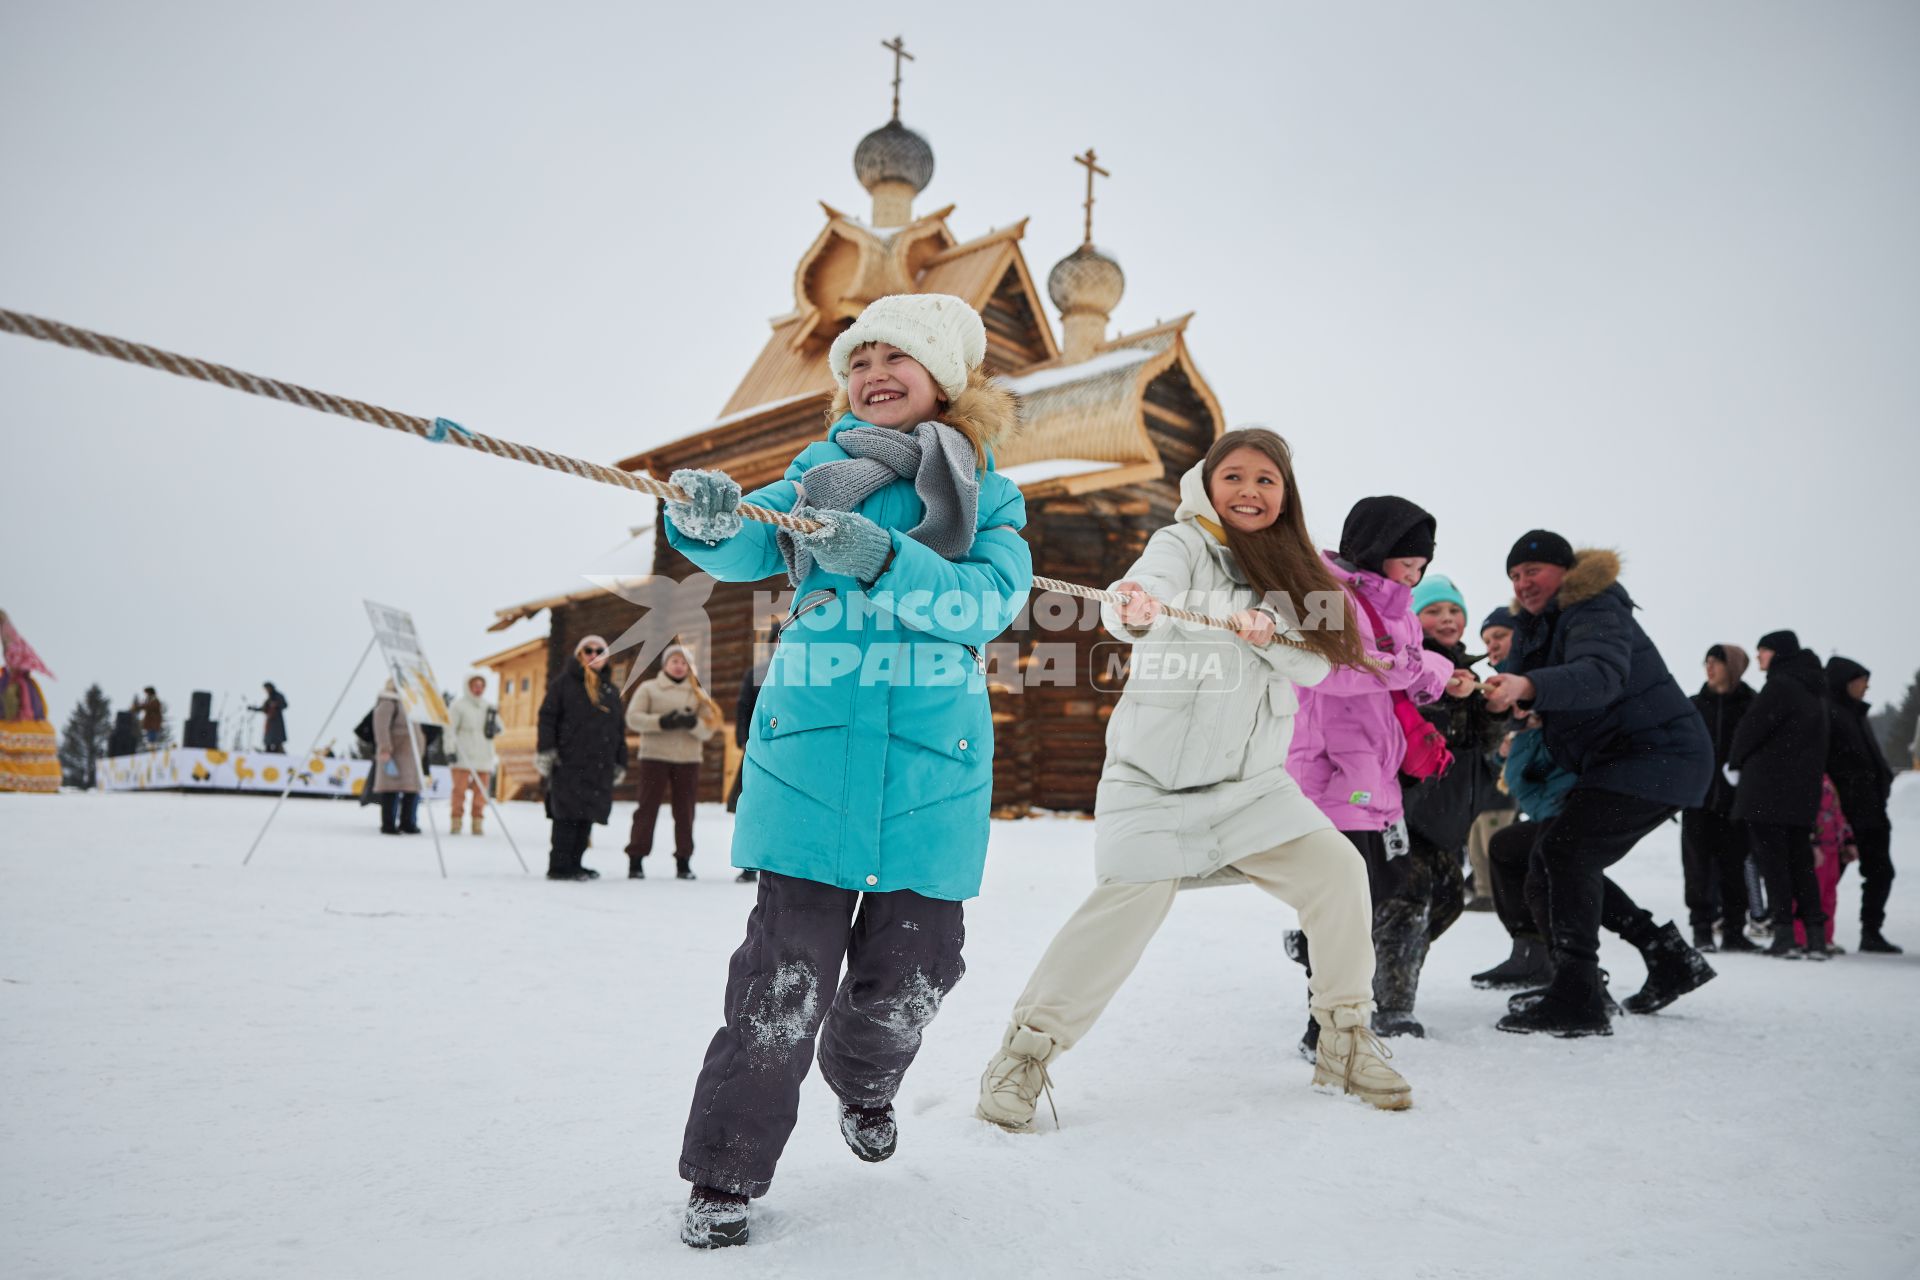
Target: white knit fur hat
{"x":939,"y":330}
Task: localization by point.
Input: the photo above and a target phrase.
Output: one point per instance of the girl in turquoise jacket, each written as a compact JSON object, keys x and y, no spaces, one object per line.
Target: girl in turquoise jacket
{"x":869,"y":772}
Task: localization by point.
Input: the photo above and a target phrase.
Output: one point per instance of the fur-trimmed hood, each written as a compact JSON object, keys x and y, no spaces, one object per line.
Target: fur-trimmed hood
{"x":1595,"y":570}
{"x":986,"y":411}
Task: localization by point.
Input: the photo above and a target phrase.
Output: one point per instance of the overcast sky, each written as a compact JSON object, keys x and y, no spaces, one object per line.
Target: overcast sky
{"x":1646,"y":273}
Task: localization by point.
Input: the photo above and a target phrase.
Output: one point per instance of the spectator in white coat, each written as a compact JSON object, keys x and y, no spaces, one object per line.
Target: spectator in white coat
{"x":472,"y":725}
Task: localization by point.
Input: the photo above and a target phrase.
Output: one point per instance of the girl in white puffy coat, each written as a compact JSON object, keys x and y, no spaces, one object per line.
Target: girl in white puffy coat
{"x":1195,"y":781}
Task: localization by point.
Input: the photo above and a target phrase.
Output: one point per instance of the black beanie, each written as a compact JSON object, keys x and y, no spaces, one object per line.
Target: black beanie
{"x":1417,"y":541}
{"x":1718,"y":653}
{"x":1842,"y":672}
{"x":1541,"y":546}
{"x":1383,"y":528}
{"x":1783,"y":643}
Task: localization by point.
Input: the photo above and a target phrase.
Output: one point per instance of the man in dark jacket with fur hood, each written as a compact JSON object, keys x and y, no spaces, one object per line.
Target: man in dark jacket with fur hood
{"x":1863,"y":779}
{"x":1779,"y":755}
{"x":1612,"y":714}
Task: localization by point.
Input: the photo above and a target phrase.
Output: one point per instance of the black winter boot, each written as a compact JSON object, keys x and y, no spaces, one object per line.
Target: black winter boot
{"x":1400,"y":945}
{"x":1397,"y":1022}
{"x":1816,"y":947}
{"x":1871,"y":940}
{"x":715,"y":1219}
{"x":1527,"y":999}
{"x":1732,"y":939}
{"x":682,"y":871}
{"x":1673,"y":969}
{"x":1310,"y":1042}
{"x":870,"y":1131}
{"x":1703,"y":937}
{"x":749,"y":876}
{"x":636,"y":868}
{"x":1575,"y":1005}
{"x":1530,"y":965}
{"x":1294,"y":943}
{"x":1783,"y":946}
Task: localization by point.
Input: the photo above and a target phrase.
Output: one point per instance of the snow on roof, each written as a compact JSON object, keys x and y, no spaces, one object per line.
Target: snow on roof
{"x":1026,"y":473}
{"x":1106,"y":362}
{"x":755,"y":410}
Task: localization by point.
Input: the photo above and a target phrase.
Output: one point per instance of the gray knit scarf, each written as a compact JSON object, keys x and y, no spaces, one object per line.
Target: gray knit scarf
{"x":937,"y":458}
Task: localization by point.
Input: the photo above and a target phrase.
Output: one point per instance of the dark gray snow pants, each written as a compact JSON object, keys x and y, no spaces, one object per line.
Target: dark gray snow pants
{"x":784,"y":989}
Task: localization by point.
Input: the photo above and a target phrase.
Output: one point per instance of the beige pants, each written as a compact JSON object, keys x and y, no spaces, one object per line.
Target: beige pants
{"x":463,"y":779}
{"x":1484,"y":828}
{"x":1321,"y":875}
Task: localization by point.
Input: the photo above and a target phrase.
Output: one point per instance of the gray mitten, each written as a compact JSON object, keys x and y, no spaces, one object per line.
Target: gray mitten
{"x":619,"y":775}
{"x":711,"y":512}
{"x":543,"y":763}
{"x":847,"y":543}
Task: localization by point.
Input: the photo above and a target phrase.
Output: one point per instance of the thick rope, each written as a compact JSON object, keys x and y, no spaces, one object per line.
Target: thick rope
{"x":101,"y":344}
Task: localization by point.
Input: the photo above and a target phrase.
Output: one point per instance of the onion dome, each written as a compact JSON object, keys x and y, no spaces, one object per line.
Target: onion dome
{"x":1086,"y":281}
{"x":893,"y":153}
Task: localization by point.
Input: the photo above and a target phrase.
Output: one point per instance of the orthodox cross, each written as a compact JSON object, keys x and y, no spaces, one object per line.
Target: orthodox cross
{"x":1089,"y":160}
{"x":898,"y":47}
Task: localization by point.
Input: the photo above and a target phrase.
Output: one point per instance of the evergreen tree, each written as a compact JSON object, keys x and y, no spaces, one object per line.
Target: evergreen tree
{"x":1896,"y":724}
{"x":84,"y":743}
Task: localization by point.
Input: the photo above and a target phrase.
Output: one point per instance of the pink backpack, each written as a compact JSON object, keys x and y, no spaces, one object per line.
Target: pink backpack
{"x":1427,"y":754}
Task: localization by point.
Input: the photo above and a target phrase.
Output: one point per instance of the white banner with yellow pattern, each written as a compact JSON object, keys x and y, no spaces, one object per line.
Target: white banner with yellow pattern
{"x":200,"y":769}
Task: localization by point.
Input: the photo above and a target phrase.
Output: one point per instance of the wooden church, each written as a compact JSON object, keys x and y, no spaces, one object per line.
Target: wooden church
{"x":1109,"y":422}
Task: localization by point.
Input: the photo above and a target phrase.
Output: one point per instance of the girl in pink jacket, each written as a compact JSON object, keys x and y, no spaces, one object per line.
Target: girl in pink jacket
{"x":1348,"y":744}
{"x":1833,"y":849}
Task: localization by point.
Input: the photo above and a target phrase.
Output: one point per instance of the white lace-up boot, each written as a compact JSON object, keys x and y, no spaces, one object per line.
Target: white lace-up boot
{"x":1013,"y":1082}
{"x":1352,"y":1059}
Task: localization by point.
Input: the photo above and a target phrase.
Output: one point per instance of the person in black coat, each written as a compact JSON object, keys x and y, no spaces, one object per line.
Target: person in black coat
{"x":1779,"y":755}
{"x":1863,"y":779}
{"x":1611,"y":714}
{"x":1439,"y":810}
{"x":274,"y":707}
{"x":582,"y":753}
{"x":1713,"y":847}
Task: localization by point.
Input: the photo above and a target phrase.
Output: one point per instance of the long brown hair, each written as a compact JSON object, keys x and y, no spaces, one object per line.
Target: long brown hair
{"x":1281,"y":557}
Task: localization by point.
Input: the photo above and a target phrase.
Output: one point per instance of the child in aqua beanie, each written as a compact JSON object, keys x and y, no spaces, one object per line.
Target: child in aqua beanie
{"x":869,"y":771}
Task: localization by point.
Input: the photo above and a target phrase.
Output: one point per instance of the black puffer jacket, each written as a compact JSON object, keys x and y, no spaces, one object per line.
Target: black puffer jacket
{"x":1859,"y":769}
{"x":1722,"y":713}
{"x":1441,"y":810}
{"x":1609,"y":710}
{"x":590,"y":743}
{"x":1780,"y":748}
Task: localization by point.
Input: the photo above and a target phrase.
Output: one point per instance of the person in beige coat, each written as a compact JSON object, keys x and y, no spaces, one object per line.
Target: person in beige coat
{"x":470,"y":750}
{"x":674,"y":717}
{"x":396,"y":765}
{"x":1195,"y":782}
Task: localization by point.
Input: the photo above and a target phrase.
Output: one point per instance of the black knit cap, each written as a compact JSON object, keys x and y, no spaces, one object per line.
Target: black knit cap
{"x":1500,"y":617}
{"x":1842,"y":672}
{"x":1541,"y":546}
{"x":1718,"y":653}
{"x":1783,"y":643}
{"x":1385,"y":528}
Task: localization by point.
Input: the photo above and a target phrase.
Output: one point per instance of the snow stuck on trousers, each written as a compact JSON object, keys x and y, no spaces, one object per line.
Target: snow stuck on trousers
{"x":333,"y":1063}
{"x":788,"y":1011}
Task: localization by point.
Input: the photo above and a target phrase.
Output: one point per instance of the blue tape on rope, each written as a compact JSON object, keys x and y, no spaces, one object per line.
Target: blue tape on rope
{"x":438,"y":433}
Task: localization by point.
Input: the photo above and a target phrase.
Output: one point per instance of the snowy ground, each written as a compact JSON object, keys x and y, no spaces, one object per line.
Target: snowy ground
{"x":333,"y":1063}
